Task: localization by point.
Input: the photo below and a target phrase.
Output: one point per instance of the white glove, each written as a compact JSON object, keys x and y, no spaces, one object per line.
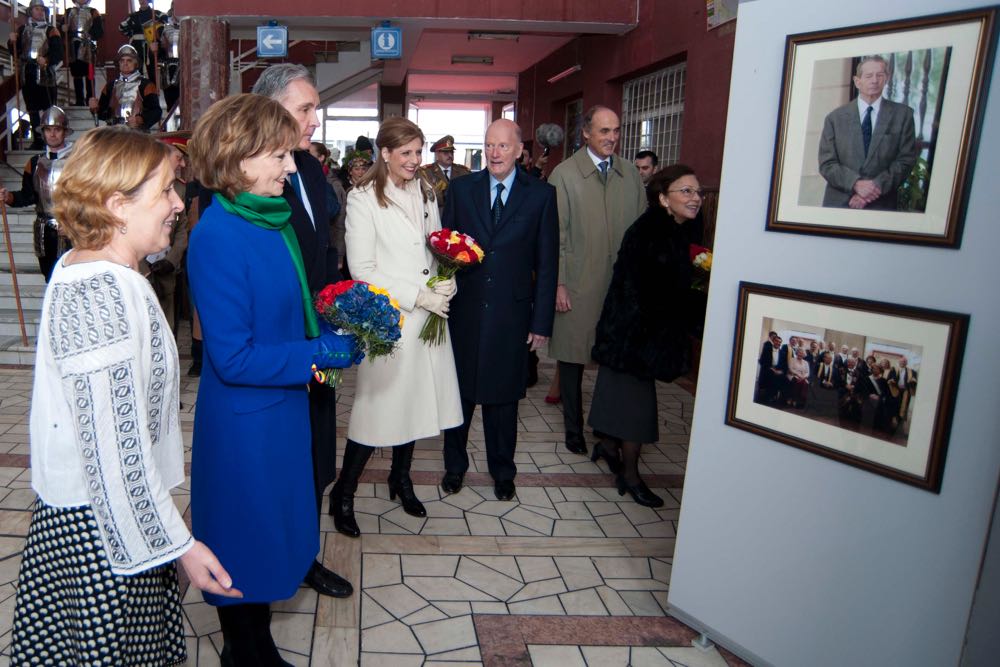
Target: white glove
{"x":435,"y":303}
{"x":447,"y":288}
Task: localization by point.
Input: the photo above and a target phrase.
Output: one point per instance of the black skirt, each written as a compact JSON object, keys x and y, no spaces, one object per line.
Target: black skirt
{"x":73,"y":610}
{"x":624,"y":407}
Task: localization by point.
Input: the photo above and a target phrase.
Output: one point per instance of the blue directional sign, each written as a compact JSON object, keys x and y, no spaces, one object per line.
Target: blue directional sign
{"x":387,"y":43}
{"x":272,"y":41}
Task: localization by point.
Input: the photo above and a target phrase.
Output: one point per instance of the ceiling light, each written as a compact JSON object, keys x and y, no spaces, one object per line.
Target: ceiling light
{"x":565,"y":73}
{"x":472,"y":60}
{"x":510,"y":36}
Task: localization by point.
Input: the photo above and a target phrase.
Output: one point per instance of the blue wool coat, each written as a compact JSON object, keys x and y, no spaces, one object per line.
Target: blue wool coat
{"x":252,"y":497}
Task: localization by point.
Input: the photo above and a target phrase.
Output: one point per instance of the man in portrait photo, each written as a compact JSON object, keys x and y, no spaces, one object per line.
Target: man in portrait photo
{"x":868,"y":146}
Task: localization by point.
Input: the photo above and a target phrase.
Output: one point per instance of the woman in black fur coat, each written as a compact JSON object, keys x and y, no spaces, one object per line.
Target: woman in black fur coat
{"x":642,"y":335}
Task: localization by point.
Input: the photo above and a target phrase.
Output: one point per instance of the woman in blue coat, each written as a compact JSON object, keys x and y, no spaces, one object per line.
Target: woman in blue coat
{"x":252,"y":495}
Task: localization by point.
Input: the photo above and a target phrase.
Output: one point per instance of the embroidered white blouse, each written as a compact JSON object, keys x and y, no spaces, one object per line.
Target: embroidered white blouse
{"x":104,"y":426}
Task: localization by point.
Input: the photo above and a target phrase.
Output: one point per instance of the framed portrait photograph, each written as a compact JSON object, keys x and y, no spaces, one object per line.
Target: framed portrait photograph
{"x":878,"y":128}
{"x":866,"y":383}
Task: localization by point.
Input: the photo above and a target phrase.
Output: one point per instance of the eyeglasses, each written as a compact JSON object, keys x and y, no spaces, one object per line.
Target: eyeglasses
{"x":690,"y":192}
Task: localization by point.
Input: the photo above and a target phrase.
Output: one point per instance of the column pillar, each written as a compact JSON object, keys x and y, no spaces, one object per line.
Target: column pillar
{"x":391,"y":101}
{"x":204,"y":66}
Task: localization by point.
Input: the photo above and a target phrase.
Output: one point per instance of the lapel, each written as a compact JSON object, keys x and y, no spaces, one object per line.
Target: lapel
{"x":300,"y":220}
{"x":480,"y":194}
{"x":518,"y":192}
{"x":885,"y":114}
{"x":418,"y":226}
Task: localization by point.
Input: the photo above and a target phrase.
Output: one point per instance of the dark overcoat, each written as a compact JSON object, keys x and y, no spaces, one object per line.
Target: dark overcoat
{"x":511,"y":293}
{"x":647,"y":313}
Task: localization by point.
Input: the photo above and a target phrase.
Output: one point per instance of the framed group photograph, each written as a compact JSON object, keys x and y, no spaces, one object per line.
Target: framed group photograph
{"x":866,"y":383}
{"x":878,"y":128}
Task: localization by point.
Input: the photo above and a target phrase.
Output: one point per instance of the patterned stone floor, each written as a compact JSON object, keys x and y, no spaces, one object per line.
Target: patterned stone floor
{"x":568,"y":573}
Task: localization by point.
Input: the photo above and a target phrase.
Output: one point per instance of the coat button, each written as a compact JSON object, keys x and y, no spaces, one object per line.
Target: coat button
{"x":426,"y":271}
{"x":425,"y":214}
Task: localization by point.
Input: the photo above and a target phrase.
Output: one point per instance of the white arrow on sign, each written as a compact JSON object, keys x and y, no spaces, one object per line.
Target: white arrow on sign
{"x":270,"y":41}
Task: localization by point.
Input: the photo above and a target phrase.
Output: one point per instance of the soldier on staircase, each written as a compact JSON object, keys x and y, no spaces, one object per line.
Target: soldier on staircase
{"x":39,"y":49}
{"x":170,"y":59}
{"x":83,"y":26}
{"x":37,"y":184}
{"x":142,"y":28}
{"x":131,"y":99}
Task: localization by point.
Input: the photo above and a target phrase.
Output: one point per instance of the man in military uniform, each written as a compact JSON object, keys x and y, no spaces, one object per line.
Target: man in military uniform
{"x":131,"y":99}
{"x":40,"y":174}
{"x":83,"y":27}
{"x":162,"y":268}
{"x":39,"y":49}
{"x":443,"y":170}
{"x":142,"y":28}
{"x":169,"y":48}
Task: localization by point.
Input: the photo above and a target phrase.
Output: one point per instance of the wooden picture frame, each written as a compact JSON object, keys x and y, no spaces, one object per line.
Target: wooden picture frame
{"x":900,"y":432}
{"x":909,"y":180}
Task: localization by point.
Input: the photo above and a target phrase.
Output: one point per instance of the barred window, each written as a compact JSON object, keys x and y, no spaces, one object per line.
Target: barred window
{"x":652,"y":113}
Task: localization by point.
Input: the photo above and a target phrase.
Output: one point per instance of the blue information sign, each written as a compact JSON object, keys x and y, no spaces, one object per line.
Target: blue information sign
{"x":272,"y":41}
{"x":387,"y":43}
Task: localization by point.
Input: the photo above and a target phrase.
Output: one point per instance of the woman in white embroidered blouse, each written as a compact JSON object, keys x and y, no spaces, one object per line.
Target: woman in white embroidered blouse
{"x":97,"y":583}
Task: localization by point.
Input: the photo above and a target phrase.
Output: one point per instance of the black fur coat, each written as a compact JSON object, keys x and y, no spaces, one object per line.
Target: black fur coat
{"x":646,"y":318}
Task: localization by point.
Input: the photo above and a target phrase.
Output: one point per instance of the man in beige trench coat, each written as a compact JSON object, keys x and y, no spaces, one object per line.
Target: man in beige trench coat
{"x":599,"y":196}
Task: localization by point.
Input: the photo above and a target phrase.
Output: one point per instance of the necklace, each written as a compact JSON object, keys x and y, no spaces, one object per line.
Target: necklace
{"x":118,"y":258}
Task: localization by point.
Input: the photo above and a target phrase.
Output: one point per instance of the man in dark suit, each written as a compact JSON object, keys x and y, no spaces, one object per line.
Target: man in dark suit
{"x":772,"y":371}
{"x":868,"y":146}
{"x":292,"y":86}
{"x":500,"y":313}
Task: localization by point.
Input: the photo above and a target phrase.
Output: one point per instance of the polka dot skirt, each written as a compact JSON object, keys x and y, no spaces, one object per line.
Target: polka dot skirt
{"x":73,"y":610}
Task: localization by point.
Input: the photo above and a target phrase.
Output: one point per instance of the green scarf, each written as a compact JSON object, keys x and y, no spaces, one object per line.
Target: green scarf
{"x":273,"y":213}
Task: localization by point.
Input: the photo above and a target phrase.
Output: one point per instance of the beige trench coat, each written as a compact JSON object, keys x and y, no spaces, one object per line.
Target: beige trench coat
{"x":593,"y":218}
{"x":414,"y":393}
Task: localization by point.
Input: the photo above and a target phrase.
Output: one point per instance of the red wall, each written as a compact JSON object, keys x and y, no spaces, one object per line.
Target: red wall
{"x":667,"y":33}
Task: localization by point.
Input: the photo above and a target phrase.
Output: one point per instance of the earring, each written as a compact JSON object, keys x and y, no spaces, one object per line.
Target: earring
{"x":123,"y":229}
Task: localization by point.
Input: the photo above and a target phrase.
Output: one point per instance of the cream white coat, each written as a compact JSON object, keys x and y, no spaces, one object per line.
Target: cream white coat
{"x":414,"y":393}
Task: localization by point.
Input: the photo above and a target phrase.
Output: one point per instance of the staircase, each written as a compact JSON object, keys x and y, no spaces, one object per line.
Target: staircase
{"x":29,"y":278}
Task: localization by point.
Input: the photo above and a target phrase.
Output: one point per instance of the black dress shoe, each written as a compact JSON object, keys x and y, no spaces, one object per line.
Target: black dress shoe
{"x":640,"y":493}
{"x":504,"y":490}
{"x":328,"y":582}
{"x":451,"y":482}
{"x":576,"y":444}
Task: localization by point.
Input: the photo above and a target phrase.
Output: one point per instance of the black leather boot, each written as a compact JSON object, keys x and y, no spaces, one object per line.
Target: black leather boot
{"x":400,"y":482}
{"x":356,"y":456}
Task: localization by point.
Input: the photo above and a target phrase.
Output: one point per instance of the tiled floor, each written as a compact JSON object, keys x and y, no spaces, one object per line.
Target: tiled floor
{"x":568,"y":573}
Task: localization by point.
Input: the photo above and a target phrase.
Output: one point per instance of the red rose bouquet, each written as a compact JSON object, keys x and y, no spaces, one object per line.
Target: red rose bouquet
{"x":358,"y":308}
{"x":454,"y":251}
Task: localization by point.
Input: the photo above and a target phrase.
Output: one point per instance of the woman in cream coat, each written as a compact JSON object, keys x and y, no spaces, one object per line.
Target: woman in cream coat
{"x":414,"y":393}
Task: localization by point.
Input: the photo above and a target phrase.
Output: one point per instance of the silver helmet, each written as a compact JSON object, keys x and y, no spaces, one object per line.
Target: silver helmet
{"x":54,"y":117}
{"x":127,"y":51}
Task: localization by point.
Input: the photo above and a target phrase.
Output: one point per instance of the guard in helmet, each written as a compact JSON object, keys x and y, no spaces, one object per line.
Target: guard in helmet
{"x":142,"y":28}
{"x":39,"y":49}
{"x":130,"y":99}
{"x":37,"y":184}
{"x":169,"y":49}
{"x":83,"y":27}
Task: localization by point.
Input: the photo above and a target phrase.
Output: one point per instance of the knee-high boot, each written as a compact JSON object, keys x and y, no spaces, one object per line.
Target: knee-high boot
{"x":246,"y":632}
{"x":400,"y":482}
{"x":356,"y":456}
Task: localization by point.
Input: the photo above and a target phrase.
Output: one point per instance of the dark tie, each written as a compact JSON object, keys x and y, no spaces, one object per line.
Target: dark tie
{"x":866,"y":129}
{"x":53,"y":156}
{"x":603,"y":166}
{"x":447,"y":174}
{"x":497,"y":209}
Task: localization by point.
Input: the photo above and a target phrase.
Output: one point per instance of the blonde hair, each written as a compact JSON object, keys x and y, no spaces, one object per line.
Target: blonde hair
{"x":234,"y":129}
{"x":393,"y":133}
{"x":104,"y":161}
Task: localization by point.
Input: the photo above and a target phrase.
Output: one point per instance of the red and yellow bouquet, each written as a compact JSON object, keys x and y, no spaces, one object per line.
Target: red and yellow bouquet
{"x":701,"y":261}
{"x":362,"y":309}
{"x":454,"y":251}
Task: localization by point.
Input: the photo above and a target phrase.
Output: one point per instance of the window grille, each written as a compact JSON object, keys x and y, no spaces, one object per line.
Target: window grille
{"x":652,"y":114}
